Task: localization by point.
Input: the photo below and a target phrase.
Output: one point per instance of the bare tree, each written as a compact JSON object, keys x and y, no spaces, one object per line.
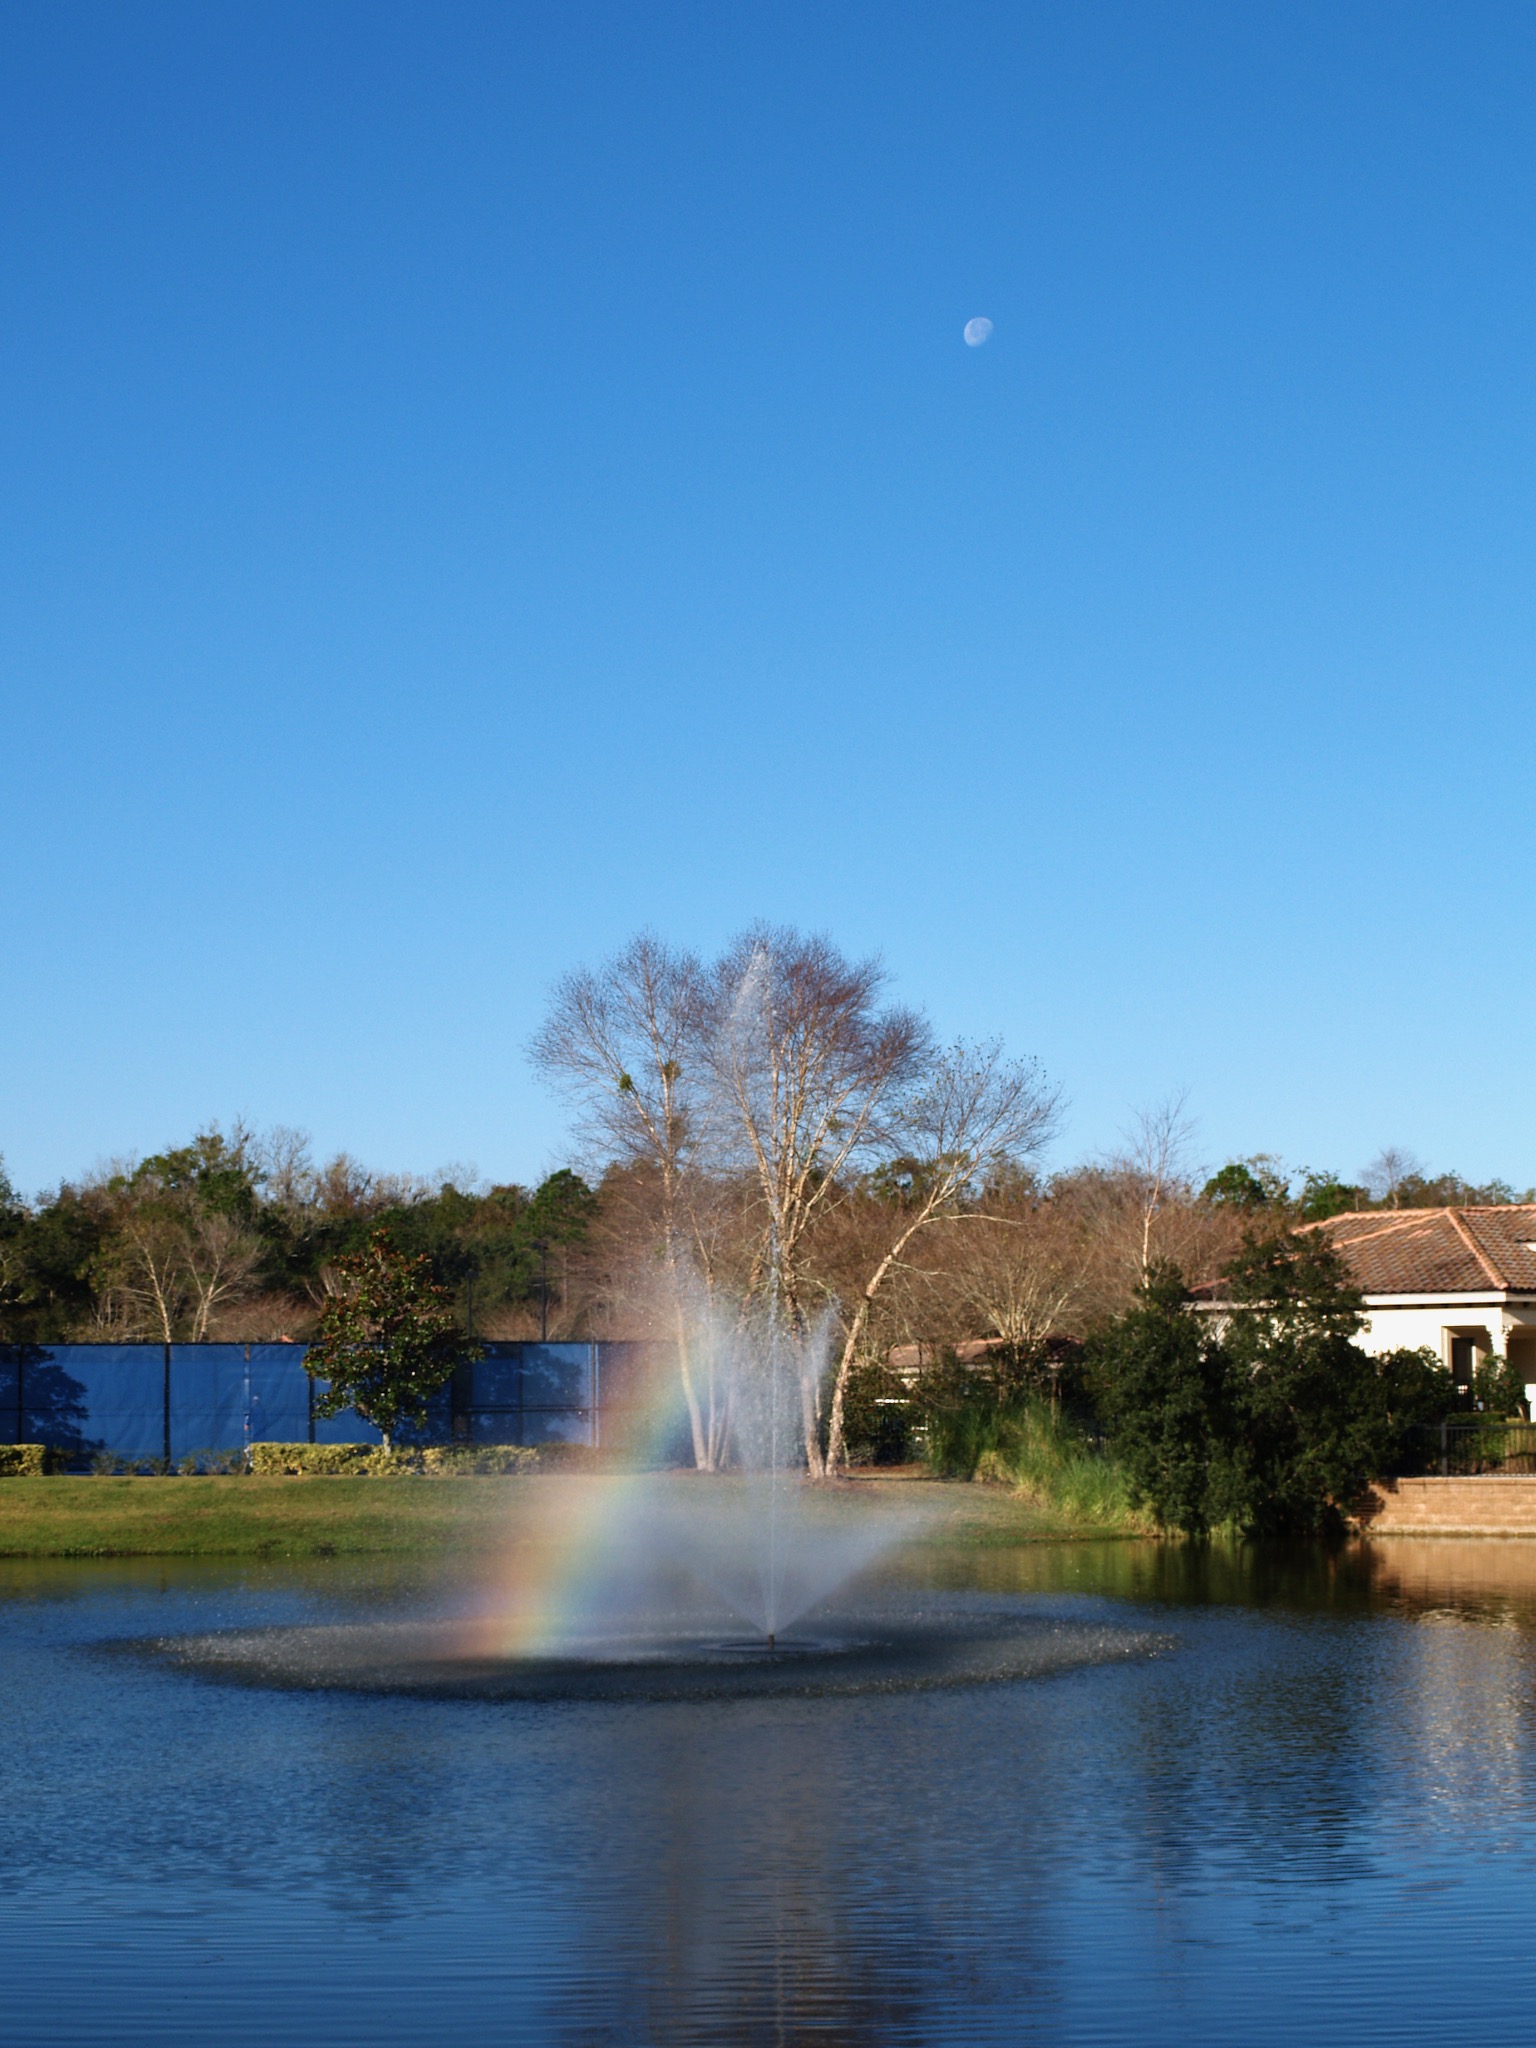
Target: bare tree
{"x":1387,"y":1173}
{"x":626,"y":1043}
{"x":1019,"y":1273}
{"x":975,"y":1114}
{"x":220,"y":1262}
{"x":1101,"y":1211}
{"x":1154,"y":1162}
{"x":750,"y":1100}
{"x":286,"y":1170}
{"x":171,"y":1265}
{"x":812,"y":1076}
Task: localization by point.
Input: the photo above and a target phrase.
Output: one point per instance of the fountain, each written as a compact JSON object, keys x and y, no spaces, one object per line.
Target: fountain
{"x":666,"y":1585}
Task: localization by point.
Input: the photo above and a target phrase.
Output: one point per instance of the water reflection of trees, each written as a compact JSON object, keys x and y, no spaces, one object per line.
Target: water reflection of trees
{"x":793,"y":1887}
{"x":1337,"y":1691}
{"x":1493,"y":1579}
{"x":741,"y":1872}
{"x":857,"y":1870}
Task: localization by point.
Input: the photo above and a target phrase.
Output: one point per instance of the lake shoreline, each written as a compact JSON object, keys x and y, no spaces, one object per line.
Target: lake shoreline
{"x":216,"y":1515}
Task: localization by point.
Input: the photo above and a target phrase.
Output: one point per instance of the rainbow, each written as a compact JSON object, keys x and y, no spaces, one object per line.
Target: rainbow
{"x":546,"y":1579}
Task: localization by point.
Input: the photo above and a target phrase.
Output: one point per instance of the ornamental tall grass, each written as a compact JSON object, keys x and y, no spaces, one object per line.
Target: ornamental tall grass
{"x":1028,"y":1445}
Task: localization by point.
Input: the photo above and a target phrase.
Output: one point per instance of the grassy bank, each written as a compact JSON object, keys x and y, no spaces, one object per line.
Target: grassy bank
{"x":245,"y":1517}
{"x":216,"y":1516}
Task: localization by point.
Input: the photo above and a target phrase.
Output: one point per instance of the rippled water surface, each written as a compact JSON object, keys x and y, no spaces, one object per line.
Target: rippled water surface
{"x":1313,"y":1819}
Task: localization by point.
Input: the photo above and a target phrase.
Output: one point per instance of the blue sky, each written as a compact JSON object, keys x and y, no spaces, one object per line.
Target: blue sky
{"x":480,"y":480}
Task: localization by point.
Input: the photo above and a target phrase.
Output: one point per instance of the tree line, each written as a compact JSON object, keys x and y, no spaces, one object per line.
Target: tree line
{"x":239,"y":1236}
{"x":763,"y":1132}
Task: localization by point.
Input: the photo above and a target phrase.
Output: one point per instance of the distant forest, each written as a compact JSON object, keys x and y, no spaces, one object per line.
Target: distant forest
{"x":234,"y":1235}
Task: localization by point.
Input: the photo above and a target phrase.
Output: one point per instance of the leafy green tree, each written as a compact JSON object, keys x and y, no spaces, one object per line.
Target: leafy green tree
{"x":1396,"y":1182}
{"x":1275,"y":1421}
{"x":1324,"y":1195}
{"x":1450,"y":1191}
{"x":482,"y":1245}
{"x":1162,"y":1383}
{"x":13,"y":1223}
{"x":1247,"y":1184}
{"x":1318,"y":1417}
{"x":1413,"y":1393}
{"x":1498,"y":1387}
{"x":561,"y":1209}
{"x":220,"y":1171}
{"x":50,"y":1256}
{"x":388,"y":1337}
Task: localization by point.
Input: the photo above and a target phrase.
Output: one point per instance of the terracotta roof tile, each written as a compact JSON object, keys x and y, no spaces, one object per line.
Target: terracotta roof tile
{"x":1435,"y":1251}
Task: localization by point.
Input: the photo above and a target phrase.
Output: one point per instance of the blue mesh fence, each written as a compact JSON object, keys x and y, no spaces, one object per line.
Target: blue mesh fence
{"x":79,"y":1396}
{"x":180,"y":1400}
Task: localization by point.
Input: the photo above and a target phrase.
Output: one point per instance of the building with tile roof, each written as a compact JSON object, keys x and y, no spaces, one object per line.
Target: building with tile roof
{"x":1460,"y":1281}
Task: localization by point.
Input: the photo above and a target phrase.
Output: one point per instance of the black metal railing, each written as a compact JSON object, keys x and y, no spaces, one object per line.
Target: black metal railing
{"x":1479,"y":1448}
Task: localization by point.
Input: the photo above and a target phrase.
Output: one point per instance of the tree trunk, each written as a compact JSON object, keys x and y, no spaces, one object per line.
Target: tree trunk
{"x":810,"y":1417}
{"x":837,"y":1449}
{"x":701,"y":1457}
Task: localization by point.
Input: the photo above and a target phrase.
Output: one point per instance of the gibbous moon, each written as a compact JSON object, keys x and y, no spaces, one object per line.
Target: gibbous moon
{"x":976,"y":331}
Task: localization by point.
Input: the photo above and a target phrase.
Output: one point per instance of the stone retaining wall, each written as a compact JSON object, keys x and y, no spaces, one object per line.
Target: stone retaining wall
{"x":1452,"y":1507}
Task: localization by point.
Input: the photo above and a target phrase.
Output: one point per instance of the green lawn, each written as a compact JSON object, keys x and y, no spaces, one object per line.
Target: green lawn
{"x":245,"y":1517}
{"x":320,"y":1517}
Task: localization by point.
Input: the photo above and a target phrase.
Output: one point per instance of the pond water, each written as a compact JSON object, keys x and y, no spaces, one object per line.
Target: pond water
{"x":1313,"y":1817}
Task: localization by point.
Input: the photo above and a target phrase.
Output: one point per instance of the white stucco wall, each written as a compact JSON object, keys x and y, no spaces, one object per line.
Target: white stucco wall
{"x":1409,"y":1323}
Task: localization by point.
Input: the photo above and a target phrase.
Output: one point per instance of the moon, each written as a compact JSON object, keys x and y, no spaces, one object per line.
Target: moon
{"x":977,"y":330}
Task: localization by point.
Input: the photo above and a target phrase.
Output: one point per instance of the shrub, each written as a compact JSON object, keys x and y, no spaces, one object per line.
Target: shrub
{"x":1272,"y":1420}
{"x":1164,"y":1393}
{"x":1498,"y":1387}
{"x":25,"y":1461}
{"x":459,"y":1461}
{"x":296,"y":1461}
{"x":570,"y":1458}
{"x":1412,"y":1393}
{"x":879,"y":1418}
{"x":371,"y":1461}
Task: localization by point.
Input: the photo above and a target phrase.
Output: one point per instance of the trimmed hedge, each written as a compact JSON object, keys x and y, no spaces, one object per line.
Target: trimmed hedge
{"x":455,"y":1461}
{"x":368,"y":1461}
{"x":297,"y":1461}
{"x":25,"y":1461}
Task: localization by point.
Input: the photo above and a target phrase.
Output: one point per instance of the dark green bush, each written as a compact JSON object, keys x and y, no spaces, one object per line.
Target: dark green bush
{"x":1164,"y":1395}
{"x":880,"y":1418}
{"x":1267,"y":1416}
{"x":1499,"y":1388}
